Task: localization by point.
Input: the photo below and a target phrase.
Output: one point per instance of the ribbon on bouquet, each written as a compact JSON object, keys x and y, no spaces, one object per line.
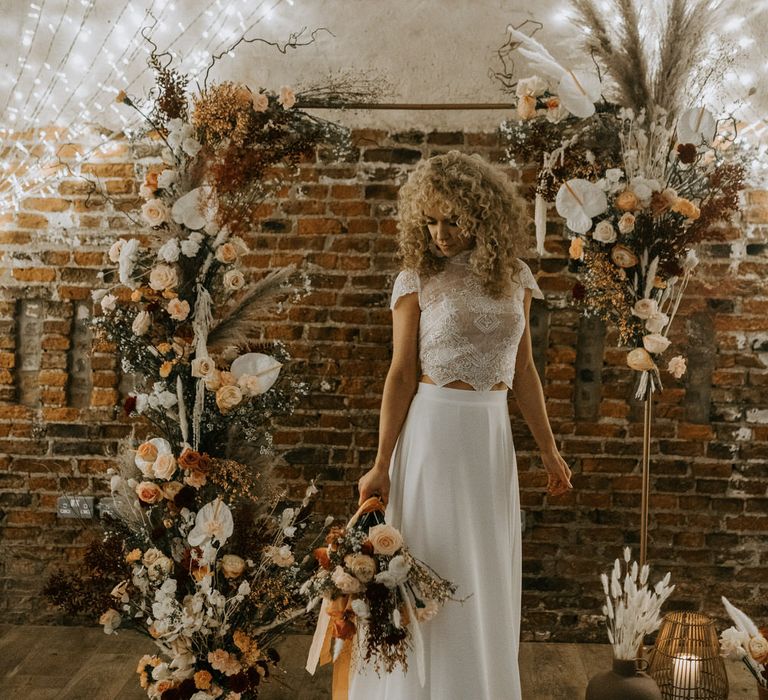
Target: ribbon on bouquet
{"x":333,"y":639}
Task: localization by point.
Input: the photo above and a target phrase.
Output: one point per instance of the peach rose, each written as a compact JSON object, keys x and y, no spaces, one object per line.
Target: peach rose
{"x":195,"y":479}
{"x":147,"y":452}
{"x":165,"y":467}
{"x":149,"y":492}
{"x":114,"y":250}
{"x":627,"y":222}
{"x":171,"y":489}
{"x":177,"y":309}
{"x":345,"y":582}
{"x":526,"y":107}
{"x":260,"y":102}
{"x":163,"y":277}
{"x":155,"y":212}
{"x":228,"y":397}
{"x":385,"y":539}
{"x":758,"y":649}
{"x":576,"y":249}
{"x":623,"y":256}
{"x":203,"y":367}
{"x":627,"y":201}
{"x":287,"y":97}
{"x":226,"y":253}
{"x":687,"y":208}
{"x":133,"y":555}
{"x":233,"y":280}
{"x":227,"y":379}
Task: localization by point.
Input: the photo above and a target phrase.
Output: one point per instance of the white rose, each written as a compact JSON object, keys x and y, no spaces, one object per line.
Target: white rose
{"x":141,"y":323}
{"x":656,"y":323}
{"x":399,"y":568}
{"x":360,"y":608}
{"x":190,"y":248}
{"x":177,"y":309}
{"x":232,"y":566}
{"x":155,"y":212}
{"x":627,"y":222}
{"x":676,"y":366}
{"x":163,"y":277}
{"x":640,"y":360}
{"x":645,"y":308}
{"x":169,"y":251}
{"x":167,"y":178}
{"x":287,"y":97}
{"x":191,"y":146}
{"x":114,"y":250}
{"x":129,"y":252}
{"x":108,"y":302}
{"x":533,"y":86}
{"x":604,"y":232}
{"x":656,"y":343}
{"x":164,"y":466}
{"x":233,"y":280}
{"x":203,"y":367}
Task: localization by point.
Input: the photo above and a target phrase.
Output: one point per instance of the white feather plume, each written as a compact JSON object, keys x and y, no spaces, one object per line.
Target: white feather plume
{"x":742,"y":620}
{"x":538,"y":57}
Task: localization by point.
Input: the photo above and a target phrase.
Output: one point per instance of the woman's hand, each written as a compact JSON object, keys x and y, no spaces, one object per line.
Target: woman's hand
{"x":375,"y":482}
{"x":558,"y":473}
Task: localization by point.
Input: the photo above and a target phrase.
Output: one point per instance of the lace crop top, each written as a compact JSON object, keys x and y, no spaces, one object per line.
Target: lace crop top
{"x":464,"y":334}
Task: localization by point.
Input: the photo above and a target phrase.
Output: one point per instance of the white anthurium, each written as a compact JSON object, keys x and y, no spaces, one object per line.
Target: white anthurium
{"x":578,"y":91}
{"x":258,"y":371}
{"x":696,"y":125}
{"x":190,"y":209}
{"x":213,"y":522}
{"x":162,"y":446}
{"x":578,"y":202}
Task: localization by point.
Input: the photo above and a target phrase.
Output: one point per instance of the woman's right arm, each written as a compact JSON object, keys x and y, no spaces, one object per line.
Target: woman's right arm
{"x":399,"y":389}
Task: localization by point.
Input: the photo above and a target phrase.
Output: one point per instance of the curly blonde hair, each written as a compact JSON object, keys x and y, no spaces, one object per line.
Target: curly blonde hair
{"x":487,"y":207}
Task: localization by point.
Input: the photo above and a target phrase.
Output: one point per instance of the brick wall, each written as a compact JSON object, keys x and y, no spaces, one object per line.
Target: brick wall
{"x":60,"y":430}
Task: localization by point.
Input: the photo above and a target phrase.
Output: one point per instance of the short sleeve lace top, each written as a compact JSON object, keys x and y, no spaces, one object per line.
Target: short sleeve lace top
{"x":464,"y":334}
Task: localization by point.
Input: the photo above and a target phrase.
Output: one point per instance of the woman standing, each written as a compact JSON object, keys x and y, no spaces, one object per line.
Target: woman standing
{"x":446,"y":463}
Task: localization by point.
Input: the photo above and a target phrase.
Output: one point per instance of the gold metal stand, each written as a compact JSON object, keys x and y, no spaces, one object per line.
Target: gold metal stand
{"x":647,"y":417}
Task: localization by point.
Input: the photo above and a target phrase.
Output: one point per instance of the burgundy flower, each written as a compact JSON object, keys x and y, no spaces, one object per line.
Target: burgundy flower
{"x":130,"y":405}
{"x":686,"y":152}
{"x":579,"y":291}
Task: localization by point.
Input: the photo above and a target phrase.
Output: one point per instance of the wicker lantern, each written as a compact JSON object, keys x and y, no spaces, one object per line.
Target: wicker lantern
{"x":686,"y":662}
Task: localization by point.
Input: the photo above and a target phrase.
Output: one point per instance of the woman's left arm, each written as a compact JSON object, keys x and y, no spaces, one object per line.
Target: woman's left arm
{"x":530,"y":398}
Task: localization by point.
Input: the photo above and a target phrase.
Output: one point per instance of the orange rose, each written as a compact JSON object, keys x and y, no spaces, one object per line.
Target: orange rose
{"x":149,"y":492}
{"x":133,"y":555}
{"x":151,"y":180}
{"x":576,"y":249}
{"x":203,"y":680}
{"x":147,"y":452}
{"x":189,"y":459}
{"x":627,"y":201}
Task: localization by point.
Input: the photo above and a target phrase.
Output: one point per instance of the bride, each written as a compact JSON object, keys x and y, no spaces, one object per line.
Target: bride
{"x":446,"y":463}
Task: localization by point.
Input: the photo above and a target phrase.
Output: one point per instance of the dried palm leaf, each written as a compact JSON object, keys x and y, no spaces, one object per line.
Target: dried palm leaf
{"x":239,"y":325}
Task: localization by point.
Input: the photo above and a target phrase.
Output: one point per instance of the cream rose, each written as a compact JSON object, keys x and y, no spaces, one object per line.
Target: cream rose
{"x":149,"y":492}
{"x":655,"y":343}
{"x":203,"y":367}
{"x":645,"y":308}
{"x":623,"y":256}
{"x":676,"y":366}
{"x":195,"y":479}
{"x":227,"y":397}
{"x":226,"y":253}
{"x":141,"y":323}
{"x":171,"y":489}
{"x":627,"y":223}
{"x":260,"y":102}
{"x":656,"y":323}
{"x":233,"y":280}
{"x":287,"y":97}
{"x":526,"y":107}
{"x":155,"y":212}
{"x":151,"y":556}
{"x":627,"y":201}
{"x":385,"y":539}
{"x":114,"y":250}
{"x":163,"y":277}
{"x":164,"y":467}
{"x":227,"y":379}
{"x":232,"y":566}
{"x":281,"y":556}
{"x":345,"y":582}
{"x":604,"y":232}
{"x":361,"y":565}
{"x":758,"y":649}
{"x":640,"y":360}
{"x":177,"y":309}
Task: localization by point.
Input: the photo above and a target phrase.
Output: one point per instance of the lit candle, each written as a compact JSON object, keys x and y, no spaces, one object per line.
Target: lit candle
{"x":685,"y":676}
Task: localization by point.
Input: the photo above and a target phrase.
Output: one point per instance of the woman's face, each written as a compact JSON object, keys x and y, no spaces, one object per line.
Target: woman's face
{"x":445,"y":232}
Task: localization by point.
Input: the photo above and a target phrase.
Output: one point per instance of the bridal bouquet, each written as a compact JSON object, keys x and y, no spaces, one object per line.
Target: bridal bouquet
{"x":374,"y":595}
{"x":632,"y":608}
{"x":746,"y":642}
{"x":639,"y":172}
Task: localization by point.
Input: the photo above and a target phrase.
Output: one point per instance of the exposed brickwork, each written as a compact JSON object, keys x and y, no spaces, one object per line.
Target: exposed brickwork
{"x":710,"y":447}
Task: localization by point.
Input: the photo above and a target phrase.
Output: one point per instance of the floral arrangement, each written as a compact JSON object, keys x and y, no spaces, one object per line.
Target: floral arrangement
{"x":374,"y":594}
{"x":639,"y":176}
{"x":746,"y":642}
{"x":199,"y":550}
{"x":632,"y":608}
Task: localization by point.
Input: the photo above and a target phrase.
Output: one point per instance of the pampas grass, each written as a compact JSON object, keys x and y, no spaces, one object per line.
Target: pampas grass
{"x":650,"y":72}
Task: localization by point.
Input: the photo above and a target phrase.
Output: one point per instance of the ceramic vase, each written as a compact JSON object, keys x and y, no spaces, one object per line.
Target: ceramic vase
{"x":623,"y":682}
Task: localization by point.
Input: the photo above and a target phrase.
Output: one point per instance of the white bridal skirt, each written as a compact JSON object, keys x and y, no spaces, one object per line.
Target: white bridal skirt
{"x":454,"y":496}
